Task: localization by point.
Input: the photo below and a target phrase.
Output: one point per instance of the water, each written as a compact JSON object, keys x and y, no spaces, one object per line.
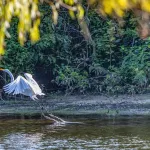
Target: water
{"x":95,"y":134}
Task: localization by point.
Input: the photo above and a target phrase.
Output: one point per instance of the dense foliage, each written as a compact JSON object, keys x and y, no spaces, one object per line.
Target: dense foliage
{"x":28,"y":15}
{"x":116,"y":61}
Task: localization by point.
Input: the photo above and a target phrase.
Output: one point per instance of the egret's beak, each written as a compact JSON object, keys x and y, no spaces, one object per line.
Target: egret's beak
{"x":1,"y":69}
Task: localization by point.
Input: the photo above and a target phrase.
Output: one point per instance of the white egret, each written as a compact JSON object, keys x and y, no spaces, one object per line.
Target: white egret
{"x":26,"y":86}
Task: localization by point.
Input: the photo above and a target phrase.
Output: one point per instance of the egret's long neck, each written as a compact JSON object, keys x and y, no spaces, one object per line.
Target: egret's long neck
{"x":10,"y":74}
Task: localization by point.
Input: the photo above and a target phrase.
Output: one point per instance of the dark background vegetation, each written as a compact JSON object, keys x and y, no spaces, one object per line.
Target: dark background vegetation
{"x":117,"y":61}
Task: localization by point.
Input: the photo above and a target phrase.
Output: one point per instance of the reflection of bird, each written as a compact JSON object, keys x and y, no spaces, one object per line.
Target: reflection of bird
{"x":20,"y":85}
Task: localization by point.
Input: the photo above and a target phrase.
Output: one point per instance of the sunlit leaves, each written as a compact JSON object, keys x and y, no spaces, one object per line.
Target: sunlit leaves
{"x":28,"y":14}
{"x":1,"y":42}
{"x":72,"y":14}
{"x":80,"y":13}
{"x":55,"y":13}
{"x":34,"y":31}
{"x":145,"y":5}
{"x":118,"y":9}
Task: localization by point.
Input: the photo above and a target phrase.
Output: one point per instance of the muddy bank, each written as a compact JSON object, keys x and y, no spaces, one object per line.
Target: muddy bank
{"x":81,"y":105}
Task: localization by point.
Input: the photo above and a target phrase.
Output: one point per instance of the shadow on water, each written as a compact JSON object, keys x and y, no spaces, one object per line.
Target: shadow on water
{"x":130,"y":133}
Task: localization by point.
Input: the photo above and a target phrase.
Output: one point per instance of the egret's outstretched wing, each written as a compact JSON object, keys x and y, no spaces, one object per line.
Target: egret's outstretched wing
{"x":19,"y":86}
{"x":33,"y":84}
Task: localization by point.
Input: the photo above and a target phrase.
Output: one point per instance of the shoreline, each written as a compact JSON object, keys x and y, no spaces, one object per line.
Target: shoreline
{"x":80,"y":106}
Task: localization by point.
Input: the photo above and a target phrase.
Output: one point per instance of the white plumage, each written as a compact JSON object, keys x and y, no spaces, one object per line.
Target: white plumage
{"x":26,"y":86}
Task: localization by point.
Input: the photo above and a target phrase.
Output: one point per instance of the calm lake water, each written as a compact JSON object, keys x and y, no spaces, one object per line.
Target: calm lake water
{"x":94,"y":134}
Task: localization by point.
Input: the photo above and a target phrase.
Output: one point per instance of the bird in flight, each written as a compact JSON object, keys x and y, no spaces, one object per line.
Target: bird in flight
{"x":26,"y":86}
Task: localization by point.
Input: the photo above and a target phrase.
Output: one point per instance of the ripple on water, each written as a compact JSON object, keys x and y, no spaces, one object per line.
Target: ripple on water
{"x":35,"y":136}
{"x":99,"y":143}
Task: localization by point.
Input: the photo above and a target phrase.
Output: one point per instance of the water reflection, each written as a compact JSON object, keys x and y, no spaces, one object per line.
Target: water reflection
{"x":106,"y":134}
{"x":21,"y":141}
